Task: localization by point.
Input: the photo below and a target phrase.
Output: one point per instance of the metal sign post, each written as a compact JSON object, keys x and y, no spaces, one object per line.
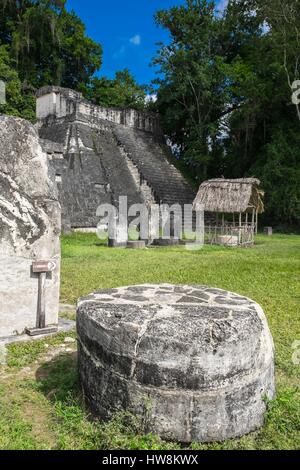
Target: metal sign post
{"x":42,"y":268}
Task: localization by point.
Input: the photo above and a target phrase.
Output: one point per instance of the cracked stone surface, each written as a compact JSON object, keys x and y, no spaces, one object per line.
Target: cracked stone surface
{"x":196,"y":362}
{"x":29,"y":227}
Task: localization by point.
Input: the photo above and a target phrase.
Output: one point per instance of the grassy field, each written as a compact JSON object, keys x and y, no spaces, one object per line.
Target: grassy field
{"x":40,"y":402}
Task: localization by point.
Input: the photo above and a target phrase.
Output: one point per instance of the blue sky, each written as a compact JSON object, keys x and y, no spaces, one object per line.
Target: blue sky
{"x":127,"y":32}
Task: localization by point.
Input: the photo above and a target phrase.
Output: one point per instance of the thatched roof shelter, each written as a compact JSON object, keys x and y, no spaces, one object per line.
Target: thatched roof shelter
{"x":230,"y":196}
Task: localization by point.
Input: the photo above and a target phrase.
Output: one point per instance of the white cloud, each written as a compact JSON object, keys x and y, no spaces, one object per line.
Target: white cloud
{"x":136,"y":40}
{"x":222,"y":5}
{"x":265,"y":27}
{"x":119,"y":53}
{"x":151,"y":98}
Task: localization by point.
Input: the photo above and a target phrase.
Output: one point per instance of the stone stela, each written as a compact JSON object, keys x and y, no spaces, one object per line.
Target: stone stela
{"x":42,"y":268}
{"x":30,"y":226}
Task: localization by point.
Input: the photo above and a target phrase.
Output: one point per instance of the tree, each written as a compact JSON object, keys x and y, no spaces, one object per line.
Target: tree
{"x":78,"y":56}
{"x":283,"y":17}
{"x":225,"y":98}
{"x":18,"y":102}
{"x":278,"y":165}
{"x":192,"y":95}
{"x":121,"y":92}
{"x":48,"y":44}
{"x":262,"y":138}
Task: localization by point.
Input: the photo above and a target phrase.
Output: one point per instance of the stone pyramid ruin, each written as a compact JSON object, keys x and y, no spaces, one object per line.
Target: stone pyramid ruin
{"x":99,"y":154}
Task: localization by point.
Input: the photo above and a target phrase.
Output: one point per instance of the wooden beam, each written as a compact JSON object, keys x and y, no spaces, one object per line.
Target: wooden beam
{"x":41,"y":305}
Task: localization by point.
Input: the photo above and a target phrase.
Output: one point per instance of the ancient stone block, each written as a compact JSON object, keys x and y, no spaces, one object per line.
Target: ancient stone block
{"x":136,"y":245}
{"x":29,"y":228}
{"x":227,"y":240}
{"x":268,"y":231}
{"x":195,"y":368}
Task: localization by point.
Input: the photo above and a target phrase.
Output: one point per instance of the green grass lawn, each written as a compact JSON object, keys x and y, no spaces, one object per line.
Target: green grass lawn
{"x":40,"y":402}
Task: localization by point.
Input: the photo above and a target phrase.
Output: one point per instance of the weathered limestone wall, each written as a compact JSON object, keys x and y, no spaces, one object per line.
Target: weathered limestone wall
{"x":57,"y":102}
{"x":61,"y":102}
{"x":29,"y":227}
{"x":92,"y":171}
{"x":128,"y":117}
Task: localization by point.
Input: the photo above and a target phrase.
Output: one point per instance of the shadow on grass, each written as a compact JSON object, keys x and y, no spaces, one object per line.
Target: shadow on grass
{"x":58,"y":379}
{"x":75,"y":427}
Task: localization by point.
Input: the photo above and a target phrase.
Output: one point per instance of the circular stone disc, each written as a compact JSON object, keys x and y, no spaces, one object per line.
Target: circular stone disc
{"x":202,"y":357}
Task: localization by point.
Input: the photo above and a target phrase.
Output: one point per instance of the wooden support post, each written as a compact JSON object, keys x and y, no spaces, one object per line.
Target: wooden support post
{"x":42,"y":268}
{"x":41,"y":308}
{"x":253,"y":226}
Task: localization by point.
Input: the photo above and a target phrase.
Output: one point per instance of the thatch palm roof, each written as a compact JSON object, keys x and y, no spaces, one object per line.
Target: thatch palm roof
{"x":229,"y":196}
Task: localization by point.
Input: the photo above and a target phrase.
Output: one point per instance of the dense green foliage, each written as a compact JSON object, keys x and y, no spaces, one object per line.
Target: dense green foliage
{"x":122,"y":92}
{"x":225,"y":95}
{"x":48,"y":43}
{"x":44,"y":44}
{"x":19,"y":102}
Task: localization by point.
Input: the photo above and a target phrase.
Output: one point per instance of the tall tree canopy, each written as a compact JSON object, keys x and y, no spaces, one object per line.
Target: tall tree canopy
{"x":225,"y":94}
{"x":19,"y":102}
{"x":121,"y":92}
{"x":48,"y":43}
{"x":44,"y":44}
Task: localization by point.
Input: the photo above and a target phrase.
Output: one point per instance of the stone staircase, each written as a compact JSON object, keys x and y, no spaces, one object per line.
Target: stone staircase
{"x":149,"y":155}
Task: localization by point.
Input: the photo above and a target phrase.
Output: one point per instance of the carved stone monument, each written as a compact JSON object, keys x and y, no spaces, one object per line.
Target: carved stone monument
{"x":29,"y":232}
{"x":195,"y":363}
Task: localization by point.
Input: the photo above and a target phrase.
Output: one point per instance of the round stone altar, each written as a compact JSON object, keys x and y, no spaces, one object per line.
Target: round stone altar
{"x":195,"y":363}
